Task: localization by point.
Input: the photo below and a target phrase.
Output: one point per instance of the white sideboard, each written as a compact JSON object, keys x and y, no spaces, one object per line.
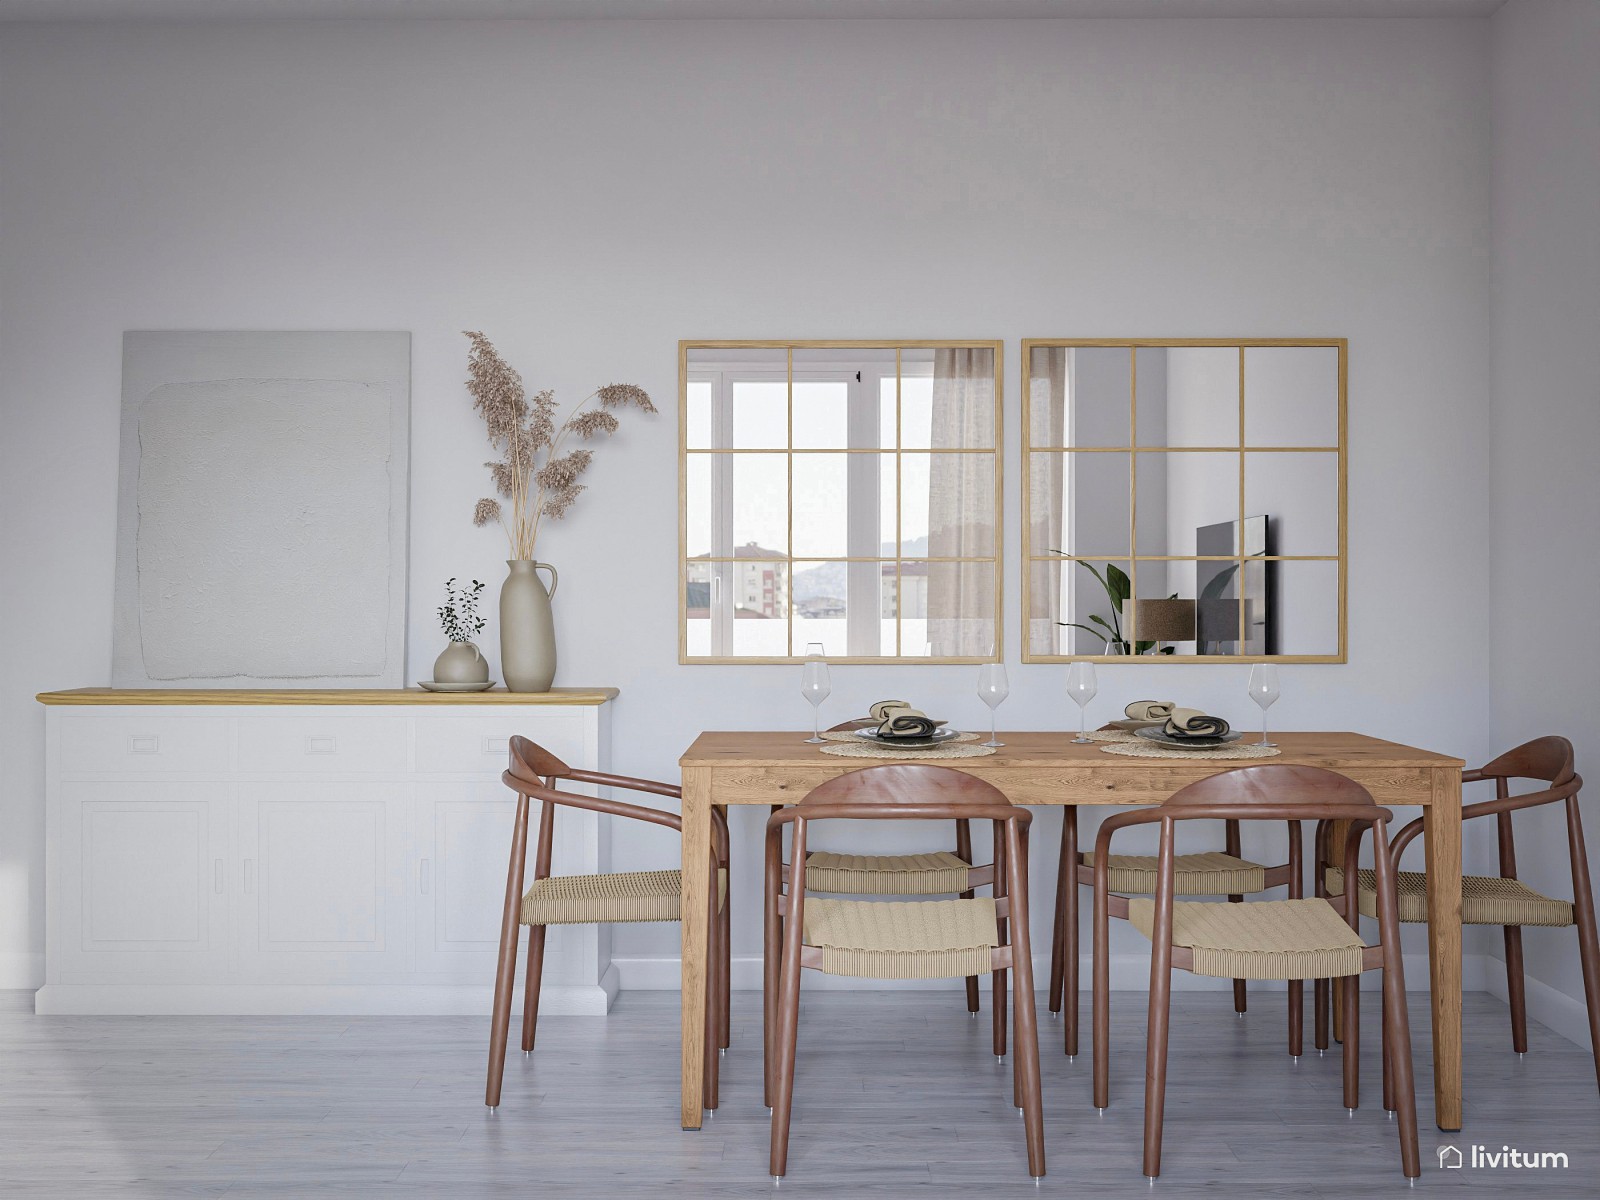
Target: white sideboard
{"x":302,"y":852}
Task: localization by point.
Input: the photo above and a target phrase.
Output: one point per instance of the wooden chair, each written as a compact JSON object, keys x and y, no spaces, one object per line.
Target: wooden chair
{"x":929,"y":939}
{"x":1500,"y":899}
{"x":590,"y":899}
{"x":1295,"y":939}
{"x":940,"y":873}
{"x":1210,"y":873}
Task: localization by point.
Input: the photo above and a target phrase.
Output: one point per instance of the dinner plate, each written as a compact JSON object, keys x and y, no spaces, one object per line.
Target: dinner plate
{"x":1159,"y":737}
{"x":905,"y":743}
{"x":1130,"y":725}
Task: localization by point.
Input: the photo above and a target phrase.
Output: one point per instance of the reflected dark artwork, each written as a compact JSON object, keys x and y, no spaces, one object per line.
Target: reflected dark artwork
{"x":1221,"y":588}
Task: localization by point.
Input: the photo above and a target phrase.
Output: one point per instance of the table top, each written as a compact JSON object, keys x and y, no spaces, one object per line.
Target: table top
{"x":788,"y":748}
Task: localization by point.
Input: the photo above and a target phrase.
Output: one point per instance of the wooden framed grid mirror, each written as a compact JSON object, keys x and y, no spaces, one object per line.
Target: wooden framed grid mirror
{"x":844,"y":493}
{"x":1184,"y":498}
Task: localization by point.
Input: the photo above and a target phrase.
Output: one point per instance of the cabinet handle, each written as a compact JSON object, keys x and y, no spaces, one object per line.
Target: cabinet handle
{"x":322,"y":743}
{"x":216,"y":881}
{"x":497,"y":746}
{"x":249,"y":876}
{"x":144,"y":743}
{"x":425,"y":876}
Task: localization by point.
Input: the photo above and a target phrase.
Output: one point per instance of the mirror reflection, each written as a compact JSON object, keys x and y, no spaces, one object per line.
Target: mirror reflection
{"x":1184,"y":499}
{"x":843,"y":494}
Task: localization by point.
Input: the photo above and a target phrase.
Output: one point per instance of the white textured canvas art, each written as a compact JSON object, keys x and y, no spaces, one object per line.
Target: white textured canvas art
{"x":262,"y":517}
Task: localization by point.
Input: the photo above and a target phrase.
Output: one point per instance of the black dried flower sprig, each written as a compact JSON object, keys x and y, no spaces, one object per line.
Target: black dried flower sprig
{"x":532,"y":473}
{"x":459,"y":616}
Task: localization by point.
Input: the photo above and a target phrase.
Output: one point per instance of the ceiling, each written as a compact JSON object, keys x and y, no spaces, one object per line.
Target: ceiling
{"x":156,"y":10}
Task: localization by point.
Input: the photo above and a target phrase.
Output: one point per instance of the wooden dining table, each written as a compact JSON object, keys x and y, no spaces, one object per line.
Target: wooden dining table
{"x":1048,"y":769}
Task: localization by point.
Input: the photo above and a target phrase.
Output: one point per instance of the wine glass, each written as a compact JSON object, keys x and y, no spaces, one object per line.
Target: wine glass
{"x":1081,"y":687}
{"x":814,"y":687}
{"x":1264,"y":691}
{"x":992,"y":690}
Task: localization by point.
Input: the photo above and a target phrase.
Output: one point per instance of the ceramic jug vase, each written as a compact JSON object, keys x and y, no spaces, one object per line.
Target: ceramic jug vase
{"x":527,"y":629}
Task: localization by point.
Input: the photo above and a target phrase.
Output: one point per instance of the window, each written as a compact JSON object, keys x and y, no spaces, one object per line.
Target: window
{"x":843,"y":494}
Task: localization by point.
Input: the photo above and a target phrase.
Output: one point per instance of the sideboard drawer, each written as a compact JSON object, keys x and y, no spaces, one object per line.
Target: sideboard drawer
{"x":324,"y":745}
{"x":482,"y":743}
{"x":144,"y":743}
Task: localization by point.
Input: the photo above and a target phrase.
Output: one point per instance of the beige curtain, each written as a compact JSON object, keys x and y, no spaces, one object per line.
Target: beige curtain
{"x":1047,"y":402}
{"x":961,"y":616}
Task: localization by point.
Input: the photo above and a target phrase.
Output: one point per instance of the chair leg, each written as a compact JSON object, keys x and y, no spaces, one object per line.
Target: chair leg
{"x":710,"y":1038}
{"x":1583,"y":917}
{"x":771,"y":949}
{"x":1066,"y":880}
{"x":1338,"y":1011}
{"x":1515,"y":994}
{"x":530,"y":991}
{"x":1070,"y":950}
{"x":726,"y":931}
{"x":1397,"y":1030}
{"x":1388,"y":1055}
{"x":1155,"y":1072}
{"x":1025,"y":1062}
{"x":1319,"y":1010}
{"x":783,"y":1091}
{"x":964,"y":853}
{"x":1101,"y":1011}
{"x":1233,"y":846}
{"x":999,"y":977}
{"x":1352,"y":1041}
{"x":1297,"y":1014}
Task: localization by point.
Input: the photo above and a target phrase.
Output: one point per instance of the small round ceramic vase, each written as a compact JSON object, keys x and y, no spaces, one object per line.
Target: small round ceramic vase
{"x":461,"y":662}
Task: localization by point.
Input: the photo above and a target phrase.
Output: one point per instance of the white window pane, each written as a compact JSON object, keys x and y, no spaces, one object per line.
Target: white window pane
{"x":760,"y":414}
{"x":821,"y":414}
{"x":698,"y":414}
{"x":760,"y":505}
{"x":821,"y":505}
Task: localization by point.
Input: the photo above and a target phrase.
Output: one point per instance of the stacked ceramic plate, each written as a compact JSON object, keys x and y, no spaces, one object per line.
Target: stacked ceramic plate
{"x":1158,"y":734}
{"x":928,"y":742}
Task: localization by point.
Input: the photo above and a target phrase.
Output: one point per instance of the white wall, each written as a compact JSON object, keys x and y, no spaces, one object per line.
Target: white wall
{"x":590,"y":193}
{"x":1546,"y":532}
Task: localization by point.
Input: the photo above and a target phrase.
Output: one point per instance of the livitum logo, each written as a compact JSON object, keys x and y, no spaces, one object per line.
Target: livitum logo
{"x":1510,"y":1157}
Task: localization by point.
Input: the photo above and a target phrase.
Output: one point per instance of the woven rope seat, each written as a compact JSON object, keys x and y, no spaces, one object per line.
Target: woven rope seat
{"x":604,"y":899}
{"x":1209,"y":874}
{"x":1267,"y":939}
{"x":938,"y":874}
{"x":1485,"y":899}
{"x":927,"y":939}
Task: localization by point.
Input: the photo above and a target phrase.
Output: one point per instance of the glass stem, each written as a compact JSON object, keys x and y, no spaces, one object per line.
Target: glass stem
{"x":1264,"y":727}
{"x":994,"y":718}
{"x":1083,"y":724}
{"x":816,"y":722}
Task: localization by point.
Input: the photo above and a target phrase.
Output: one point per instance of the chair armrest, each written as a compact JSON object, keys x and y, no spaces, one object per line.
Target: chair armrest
{"x":626,"y":781}
{"x":599,"y":804}
{"x":1503,"y":804}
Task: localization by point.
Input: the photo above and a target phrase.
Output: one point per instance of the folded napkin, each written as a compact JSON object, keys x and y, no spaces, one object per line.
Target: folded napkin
{"x":1150,"y":710}
{"x":897,"y":719}
{"x":1192,"y":723}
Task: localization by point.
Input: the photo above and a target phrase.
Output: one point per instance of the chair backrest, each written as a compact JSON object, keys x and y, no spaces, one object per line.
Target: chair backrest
{"x":1275,"y":793}
{"x":914,"y":791}
{"x":1547,"y":758}
{"x":531,"y":763}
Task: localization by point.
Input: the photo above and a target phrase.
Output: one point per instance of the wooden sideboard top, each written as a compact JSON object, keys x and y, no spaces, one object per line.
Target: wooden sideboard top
{"x":495,"y":695}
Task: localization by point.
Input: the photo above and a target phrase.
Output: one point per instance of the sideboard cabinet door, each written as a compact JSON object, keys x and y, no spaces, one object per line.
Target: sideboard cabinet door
{"x":322,"y":895}
{"x":141,"y":892}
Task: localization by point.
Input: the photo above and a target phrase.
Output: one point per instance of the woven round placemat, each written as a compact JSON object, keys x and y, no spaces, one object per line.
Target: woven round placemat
{"x":1141,"y":748}
{"x":953,"y":749}
{"x":1111,"y":735}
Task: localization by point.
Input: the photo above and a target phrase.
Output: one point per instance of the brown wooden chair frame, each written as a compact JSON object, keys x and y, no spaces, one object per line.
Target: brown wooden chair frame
{"x":1548,"y":760}
{"x":978,"y":876}
{"x":896,"y":792}
{"x":533,"y":775}
{"x":1265,"y":793}
{"x":1064,"y":934}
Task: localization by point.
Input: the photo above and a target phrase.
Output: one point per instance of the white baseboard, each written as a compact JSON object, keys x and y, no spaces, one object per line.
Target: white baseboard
{"x":1129,"y":972}
{"x":1549,"y":1006}
{"x":366,"y":1000}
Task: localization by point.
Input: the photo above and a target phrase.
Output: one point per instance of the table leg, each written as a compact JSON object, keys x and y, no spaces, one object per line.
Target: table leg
{"x":696,"y":949}
{"x":1442,"y":835}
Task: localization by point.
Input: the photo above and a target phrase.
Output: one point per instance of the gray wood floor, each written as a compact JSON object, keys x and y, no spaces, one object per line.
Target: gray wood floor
{"x":897,"y":1094}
